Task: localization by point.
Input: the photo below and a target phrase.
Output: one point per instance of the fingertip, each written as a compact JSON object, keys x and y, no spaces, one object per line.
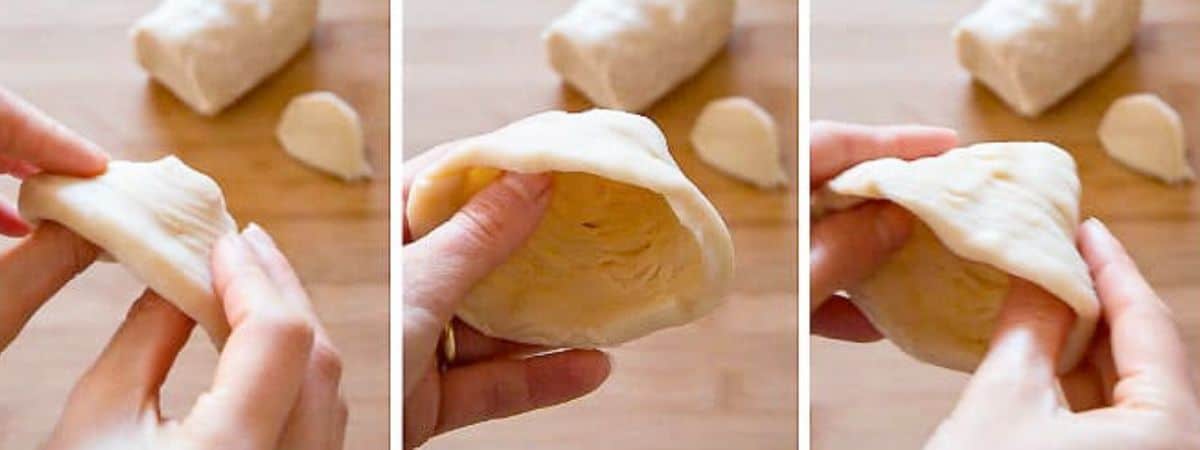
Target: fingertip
{"x":11,"y":223}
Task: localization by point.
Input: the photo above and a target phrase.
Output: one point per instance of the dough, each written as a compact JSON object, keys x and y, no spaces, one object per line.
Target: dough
{"x":1033,"y":53}
{"x":627,"y":246}
{"x":323,"y":131}
{"x":626,"y":54}
{"x":211,"y":52}
{"x":1007,"y":208}
{"x":1144,"y":133}
{"x":160,"y":219}
{"x":738,"y":137}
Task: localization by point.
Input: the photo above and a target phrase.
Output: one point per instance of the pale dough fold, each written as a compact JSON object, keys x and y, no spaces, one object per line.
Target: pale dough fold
{"x":323,"y":131}
{"x":628,"y":244}
{"x":211,"y":52}
{"x":739,"y":138}
{"x":159,"y":219}
{"x":985,"y":211}
{"x":626,"y":54}
{"x":1033,"y":53}
{"x":1144,"y":133}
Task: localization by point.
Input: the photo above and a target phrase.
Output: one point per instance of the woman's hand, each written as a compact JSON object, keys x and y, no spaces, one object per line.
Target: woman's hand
{"x":848,"y":246}
{"x":1133,"y":391}
{"x":276,"y":384}
{"x":488,"y":378}
{"x":30,"y":273}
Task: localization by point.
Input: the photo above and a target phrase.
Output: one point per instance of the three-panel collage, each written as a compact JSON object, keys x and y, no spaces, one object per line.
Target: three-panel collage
{"x":607,"y":224}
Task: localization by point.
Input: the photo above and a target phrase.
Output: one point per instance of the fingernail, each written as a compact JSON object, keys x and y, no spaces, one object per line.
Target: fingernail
{"x":893,"y":225}
{"x":533,"y":185}
{"x":1096,"y":225}
{"x":258,"y":237}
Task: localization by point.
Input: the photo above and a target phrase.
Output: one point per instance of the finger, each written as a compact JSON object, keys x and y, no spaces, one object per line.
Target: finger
{"x":502,"y":388}
{"x":265,"y":360}
{"x":839,"y":319}
{"x":35,"y":270}
{"x":29,"y":135}
{"x":1019,"y":368}
{"x":17,"y":168}
{"x":471,"y":346}
{"x":848,"y":246}
{"x":412,"y":168}
{"x":481,"y":236}
{"x":11,"y":223}
{"x":131,"y":370}
{"x":1147,"y":349}
{"x":836,"y":147}
{"x":313,"y":422}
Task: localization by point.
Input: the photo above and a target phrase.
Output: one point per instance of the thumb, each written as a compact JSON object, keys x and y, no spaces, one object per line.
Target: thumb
{"x":1020,"y":364}
{"x":446,"y":263}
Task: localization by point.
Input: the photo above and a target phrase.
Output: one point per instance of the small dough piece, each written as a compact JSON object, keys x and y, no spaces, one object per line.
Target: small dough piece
{"x":1033,"y":53}
{"x":160,"y":219}
{"x":1144,"y":133}
{"x":627,"y":246}
{"x":986,"y":211}
{"x":211,"y":52}
{"x":626,"y":54}
{"x":738,"y":137}
{"x":324,"y":131}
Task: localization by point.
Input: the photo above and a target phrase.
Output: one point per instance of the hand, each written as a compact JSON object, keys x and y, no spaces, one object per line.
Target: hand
{"x":489,"y":378}
{"x":848,"y":246}
{"x":1133,"y":391}
{"x":277,"y":379}
{"x":31,"y":142}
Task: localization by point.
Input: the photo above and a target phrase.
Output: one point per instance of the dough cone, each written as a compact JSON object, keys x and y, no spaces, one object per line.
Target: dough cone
{"x":1144,"y":133}
{"x":160,"y":219}
{"x":987,"y":211}
{"x":628,"y":244}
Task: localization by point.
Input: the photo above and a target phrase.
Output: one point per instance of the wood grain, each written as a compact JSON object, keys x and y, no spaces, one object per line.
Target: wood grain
{"x":896,"y":65}
{"x":73,"y":60}
{"x":728,"y":381}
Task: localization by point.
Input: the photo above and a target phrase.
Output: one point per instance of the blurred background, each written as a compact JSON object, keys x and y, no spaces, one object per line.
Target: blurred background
{"x":74,"y":60}
{"x":896,"y":64}
{"x":725,"y":382}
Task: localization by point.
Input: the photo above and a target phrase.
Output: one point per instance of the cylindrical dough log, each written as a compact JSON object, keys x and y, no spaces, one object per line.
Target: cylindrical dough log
{"x":628,"y":244}
{"x":211,"y":52}
{"x":1006,"y":208}
{"x":159,"y":219}
{"x":1033,"y":53}
{"x":626,"y":54}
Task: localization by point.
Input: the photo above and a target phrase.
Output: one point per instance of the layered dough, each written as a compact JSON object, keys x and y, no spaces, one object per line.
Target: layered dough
{"x":628,"y":244}
{"x":626,"y":54}
{"x":739,"y":138}
{"x":323,"y":131}
{"x":160,"y":219}
{"x":1144,"y":133}
{"x":1008,"y":208}
{"x":1033,"y":53}
{"x":211,"y":52}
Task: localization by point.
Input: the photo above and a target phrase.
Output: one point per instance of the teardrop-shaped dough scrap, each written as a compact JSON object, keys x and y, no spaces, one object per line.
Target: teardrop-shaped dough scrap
{"x":738,"y":137}
{"x":159,"y":219}
{"x":1146,"y":134}
{"x":323,"y":131}
{"x":1033,"y":53}
{"x":627,"y":246}
{"x":986,"y":211}
{"x":626,"y":54}
{"x":211,"y":52}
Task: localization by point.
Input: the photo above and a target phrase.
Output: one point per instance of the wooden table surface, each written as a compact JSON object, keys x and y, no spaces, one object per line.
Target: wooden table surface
{"x":725,"y":382}
{"x":897,"y":65}
{"x":73,"y":59}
